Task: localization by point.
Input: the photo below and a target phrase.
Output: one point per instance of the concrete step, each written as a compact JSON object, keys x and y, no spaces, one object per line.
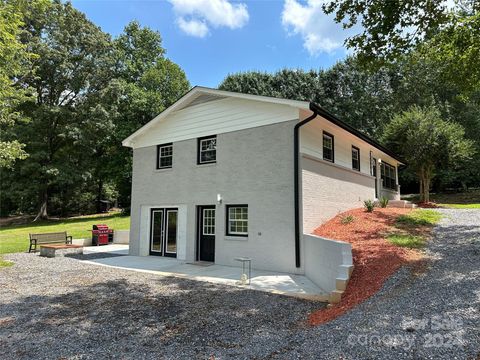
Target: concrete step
{"x":401,"y":204}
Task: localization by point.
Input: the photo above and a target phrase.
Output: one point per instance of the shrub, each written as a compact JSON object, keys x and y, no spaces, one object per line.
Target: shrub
{"x":368,"y":205}
{"x":347,"y":219}
{"x":383,"y":202}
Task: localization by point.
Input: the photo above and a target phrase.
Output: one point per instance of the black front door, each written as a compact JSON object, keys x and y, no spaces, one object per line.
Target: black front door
{"x":163,"y":232}
{"x":206,"y":233}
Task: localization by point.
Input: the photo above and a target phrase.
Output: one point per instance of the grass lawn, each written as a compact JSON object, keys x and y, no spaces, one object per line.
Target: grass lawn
{"x":464,"y":200}
{"x":5,"y":263}
{"x":412,"y":230}
{"x":14,"y":238}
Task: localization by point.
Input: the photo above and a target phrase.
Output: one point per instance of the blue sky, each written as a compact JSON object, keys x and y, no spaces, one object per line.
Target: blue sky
{"x":212,"y":38}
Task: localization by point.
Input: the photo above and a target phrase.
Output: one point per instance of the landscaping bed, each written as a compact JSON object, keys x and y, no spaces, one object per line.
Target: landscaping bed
{"x":382,"y":241}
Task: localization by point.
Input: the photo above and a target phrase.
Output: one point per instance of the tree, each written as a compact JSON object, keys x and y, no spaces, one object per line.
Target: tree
{"x":389,"y":28}
{"x":426,"y":141}
{"x":144,"y":83}
{"x":362,"y":99}
{"x":15,"y":61}
{"x":72,"y":66}
{"x":393,"y":29}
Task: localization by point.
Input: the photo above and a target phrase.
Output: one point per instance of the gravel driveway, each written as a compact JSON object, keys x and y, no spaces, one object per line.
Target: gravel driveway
{"x":62,"y":308}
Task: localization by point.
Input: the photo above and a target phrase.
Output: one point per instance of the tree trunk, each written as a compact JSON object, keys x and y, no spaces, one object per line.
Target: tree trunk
{"x":426,"y":189}
{"x":421,"y":189}
{"x":99,"y":196}
{"x":42,"y":212}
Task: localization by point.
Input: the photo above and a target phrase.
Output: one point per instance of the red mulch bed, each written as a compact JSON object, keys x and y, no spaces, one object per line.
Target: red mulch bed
{"x":374,"y":258}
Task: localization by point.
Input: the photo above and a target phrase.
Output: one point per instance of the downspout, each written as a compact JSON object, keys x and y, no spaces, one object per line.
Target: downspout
{"x":296,"y":186}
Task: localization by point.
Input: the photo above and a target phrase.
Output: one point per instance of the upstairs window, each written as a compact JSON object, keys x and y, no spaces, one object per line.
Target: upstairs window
{"x":328,"y":150}
{"x":355,"y":158}
{"x":164,"y":156}
{"x":207,"y":150}
{"x":388,"y":176}
{"x":237,"y":220}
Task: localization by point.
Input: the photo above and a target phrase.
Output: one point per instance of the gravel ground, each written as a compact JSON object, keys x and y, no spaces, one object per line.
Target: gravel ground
{"x":62,"y":308}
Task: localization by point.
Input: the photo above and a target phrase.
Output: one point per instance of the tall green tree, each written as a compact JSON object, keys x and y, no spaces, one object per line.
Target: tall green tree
{"x":144,"y":84}
{"x":72,"y":66}
{"x":15,"y":63}
{"x":362,"y":99}
{"x":427,"y":141}
{"x":389,"y":28}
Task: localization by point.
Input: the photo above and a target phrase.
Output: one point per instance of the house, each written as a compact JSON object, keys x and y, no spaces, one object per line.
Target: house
{"x":220,"y":175}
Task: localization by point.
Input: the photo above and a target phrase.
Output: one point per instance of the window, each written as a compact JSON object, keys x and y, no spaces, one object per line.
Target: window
{"x":237,"y":220}
{"x":164,"y":156}
{"x":388,"y":176}
{"x":207,"y":150}
{"x":355,"y":158}
{"x":328,"y":151}
{"x":208,"y":226}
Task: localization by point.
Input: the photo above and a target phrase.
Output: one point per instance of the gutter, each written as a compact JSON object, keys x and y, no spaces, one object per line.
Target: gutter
{"x":296,"y":186}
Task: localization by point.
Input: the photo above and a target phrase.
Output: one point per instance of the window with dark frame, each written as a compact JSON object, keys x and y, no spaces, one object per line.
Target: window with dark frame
{"x":237,"y":220}
{"x":207,"y":150}
{"x":328,"y":149}
{"x":389,"y":176}
{"x":355,"y":158}
{"x":164,"y":156}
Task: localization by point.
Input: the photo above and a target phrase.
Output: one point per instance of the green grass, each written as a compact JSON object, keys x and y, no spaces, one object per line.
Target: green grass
{"x":460,"y":206}
{"x":407,"y":240}
{"x":14,"y":238}
{"x":462,"y":200}
{"x":413,"y":229}
{"x":5,"y":263}
{"x":419,"y":217}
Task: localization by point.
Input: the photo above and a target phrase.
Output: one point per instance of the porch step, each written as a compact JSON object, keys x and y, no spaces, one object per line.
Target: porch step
{"x":401,"y":204}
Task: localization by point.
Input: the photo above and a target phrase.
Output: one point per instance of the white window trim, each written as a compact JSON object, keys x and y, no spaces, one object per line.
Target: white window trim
{"x":200,"y":151}
{"x":203,"y":222}
{"x":159,"y":156}
{"x":236,"y":233}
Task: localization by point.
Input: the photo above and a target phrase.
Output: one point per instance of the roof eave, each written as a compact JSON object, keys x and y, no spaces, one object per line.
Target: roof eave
{"x":335,"y":120}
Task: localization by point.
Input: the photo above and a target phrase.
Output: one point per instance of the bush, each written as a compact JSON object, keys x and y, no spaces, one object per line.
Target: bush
{"x":347,"y":219}
{"x":369,"y":205}
{"x":383,"y":202}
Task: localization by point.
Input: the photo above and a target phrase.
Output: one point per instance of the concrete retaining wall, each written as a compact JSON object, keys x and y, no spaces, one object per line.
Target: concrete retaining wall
{"x":328,"y":263}
{"x":82,"y":242}
{"x":121,"y":236}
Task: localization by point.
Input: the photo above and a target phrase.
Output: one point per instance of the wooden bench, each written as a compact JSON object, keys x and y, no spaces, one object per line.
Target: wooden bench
{"x":48,"y":238}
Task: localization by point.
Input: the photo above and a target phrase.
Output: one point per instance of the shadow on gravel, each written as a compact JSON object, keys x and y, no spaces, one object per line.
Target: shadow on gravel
{"x":148,"y":315}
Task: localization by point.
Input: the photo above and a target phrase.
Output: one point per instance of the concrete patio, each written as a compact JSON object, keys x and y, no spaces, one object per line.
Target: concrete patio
{"x":274,"y":282}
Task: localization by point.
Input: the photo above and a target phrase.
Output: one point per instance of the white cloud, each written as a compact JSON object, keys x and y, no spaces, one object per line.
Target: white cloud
{"x":320,"y":33}
{"x":193,"y":27}
{"x":195,"y":17}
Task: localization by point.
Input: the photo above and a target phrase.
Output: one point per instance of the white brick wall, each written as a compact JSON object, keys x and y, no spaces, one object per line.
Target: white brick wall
{"x":328,"y":189}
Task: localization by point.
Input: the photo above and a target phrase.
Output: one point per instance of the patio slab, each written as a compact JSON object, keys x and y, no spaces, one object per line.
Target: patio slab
{"x":268,"y":281}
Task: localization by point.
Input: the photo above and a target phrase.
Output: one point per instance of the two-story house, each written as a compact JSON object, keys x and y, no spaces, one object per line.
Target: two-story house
{"x":220,"y":174}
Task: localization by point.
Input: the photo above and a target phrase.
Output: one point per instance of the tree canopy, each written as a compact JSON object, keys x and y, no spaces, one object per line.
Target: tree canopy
{"x":426,"y":141}
{"x":89,"y":92}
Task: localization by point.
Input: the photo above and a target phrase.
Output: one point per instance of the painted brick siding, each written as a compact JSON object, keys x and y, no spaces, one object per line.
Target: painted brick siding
{"x":254,"y":167}
{"x":329,"y":189}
